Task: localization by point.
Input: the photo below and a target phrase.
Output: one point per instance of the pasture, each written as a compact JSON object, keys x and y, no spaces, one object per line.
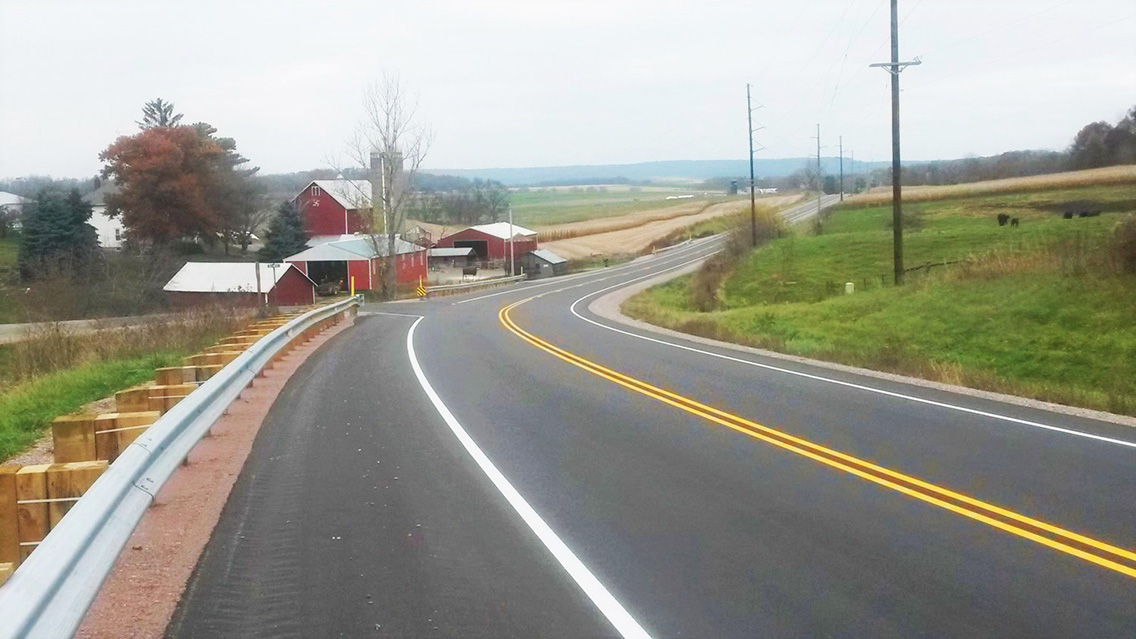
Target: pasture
{"x":1044,"y":310}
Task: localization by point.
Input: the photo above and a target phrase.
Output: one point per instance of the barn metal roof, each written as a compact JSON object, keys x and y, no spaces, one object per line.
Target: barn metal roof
{"x":501,"y":230}
{"x":226,"y":277}
{"x":350,"y":250}
{"x":548,"y":256}
{"x":451,"y":252}
{"x":8,"y":199}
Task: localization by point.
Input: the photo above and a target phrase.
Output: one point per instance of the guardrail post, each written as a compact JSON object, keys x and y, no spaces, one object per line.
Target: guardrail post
{"x":115,"y":431}
{"x":73,"y":437}
{"x":69,"y":481}
{"x":31,"y":508}
{"x":9,"y":532}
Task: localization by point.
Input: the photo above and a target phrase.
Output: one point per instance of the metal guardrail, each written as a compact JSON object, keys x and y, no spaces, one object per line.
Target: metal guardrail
{"x":469,"y":286}
{"x":50,"y":592}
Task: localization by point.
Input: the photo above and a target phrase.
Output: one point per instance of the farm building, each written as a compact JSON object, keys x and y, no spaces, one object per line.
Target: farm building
{"x":235,"y":284}
{"x":450,"y":257}
{"x":339,"y":260}
{"x":110,"y":230}
{"x":491,"y":241}
{"x":333,"y":208}
{"x":542,"y":263}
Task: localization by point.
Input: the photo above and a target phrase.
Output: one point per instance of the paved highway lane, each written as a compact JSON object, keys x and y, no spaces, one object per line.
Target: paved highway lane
{"x":685,"y":526}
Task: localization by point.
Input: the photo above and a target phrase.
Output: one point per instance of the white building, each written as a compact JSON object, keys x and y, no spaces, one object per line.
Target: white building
{"x":110,"y":231}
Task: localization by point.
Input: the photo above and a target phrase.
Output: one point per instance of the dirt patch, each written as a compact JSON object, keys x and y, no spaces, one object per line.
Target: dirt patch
{"x":142,"y":591}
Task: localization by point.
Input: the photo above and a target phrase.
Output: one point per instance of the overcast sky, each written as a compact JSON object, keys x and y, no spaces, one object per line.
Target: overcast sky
{"x":539,"y":82}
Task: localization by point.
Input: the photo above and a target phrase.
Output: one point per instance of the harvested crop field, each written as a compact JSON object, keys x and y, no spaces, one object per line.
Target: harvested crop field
{"x":1113,"y":175}
{"x":641,"y":229}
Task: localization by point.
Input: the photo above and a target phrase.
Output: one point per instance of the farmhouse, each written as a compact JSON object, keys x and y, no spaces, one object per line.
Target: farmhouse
{"x":542,"y":263}
{"x":110,"y":230}
{"x":491,"y":241}
{"x":235,"y":284}
{"x":340,"y":260}
{"x":333,"y":208}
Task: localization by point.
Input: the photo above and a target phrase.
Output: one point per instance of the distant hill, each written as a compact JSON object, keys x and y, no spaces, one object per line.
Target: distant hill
{"x":672,"y":170}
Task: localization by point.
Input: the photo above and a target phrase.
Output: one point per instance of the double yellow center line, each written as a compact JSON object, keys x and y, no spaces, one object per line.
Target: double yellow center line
{"x":1080,"y":546}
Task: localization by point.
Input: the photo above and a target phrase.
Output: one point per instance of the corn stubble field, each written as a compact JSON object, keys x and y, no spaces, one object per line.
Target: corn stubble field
{"x":1046,"y":309}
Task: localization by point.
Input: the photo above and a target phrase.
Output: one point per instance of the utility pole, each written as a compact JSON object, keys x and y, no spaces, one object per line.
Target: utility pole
{"x":894,"y":68}
{"x":752,"y":179}
{"x":842,"y":168}
{"x":820,"y":178}
{"x":512,"y":261}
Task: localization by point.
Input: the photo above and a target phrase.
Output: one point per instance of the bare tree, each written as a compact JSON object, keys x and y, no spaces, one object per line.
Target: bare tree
{"x":391,"y":142}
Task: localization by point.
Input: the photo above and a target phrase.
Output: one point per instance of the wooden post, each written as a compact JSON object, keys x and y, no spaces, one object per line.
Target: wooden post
{"x":69,"y":481}
{"x":73,"y":437}
{"x":163,"y":403}
{"x":31,"y":509}
{"x":115,"y":431}
{"x":6,"y":571}
{"x":9,"y":532}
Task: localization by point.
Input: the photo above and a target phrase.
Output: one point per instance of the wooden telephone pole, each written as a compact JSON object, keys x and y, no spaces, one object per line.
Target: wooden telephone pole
{"x":894,"y":68}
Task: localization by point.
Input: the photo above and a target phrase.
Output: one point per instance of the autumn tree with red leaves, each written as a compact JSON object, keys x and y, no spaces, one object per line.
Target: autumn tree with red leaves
{"x":181,"y":182}
{"x":165,"y":178}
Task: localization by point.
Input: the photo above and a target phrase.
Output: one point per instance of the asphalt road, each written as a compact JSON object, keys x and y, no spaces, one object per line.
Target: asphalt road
{"x":561,"y":478}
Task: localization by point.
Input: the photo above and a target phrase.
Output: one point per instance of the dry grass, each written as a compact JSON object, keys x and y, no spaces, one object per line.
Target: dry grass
{"x":1112,"y":175}
{"x":1124,"y":244}
{"x":52,"y":347}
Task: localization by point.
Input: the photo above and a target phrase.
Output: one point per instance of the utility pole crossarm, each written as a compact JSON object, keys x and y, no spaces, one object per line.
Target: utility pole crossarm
{"x":895,"y":68}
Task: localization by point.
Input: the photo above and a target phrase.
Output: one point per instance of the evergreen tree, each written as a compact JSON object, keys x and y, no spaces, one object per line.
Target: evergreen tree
{"x":286,"y":235}
{"x":158,"y":113}
{"x":57,"y":237}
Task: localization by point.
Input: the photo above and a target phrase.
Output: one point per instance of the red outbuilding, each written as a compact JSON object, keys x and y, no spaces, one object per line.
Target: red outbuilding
{"x":491,"y":241}
{"x":235,"y":284}
{"x":334,"y":207}
{"x":341,"y":260}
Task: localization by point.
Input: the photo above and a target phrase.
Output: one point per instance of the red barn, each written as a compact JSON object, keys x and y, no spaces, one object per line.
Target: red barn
{"x":491,"y":241}
{"x":341,"y":260}
{"x":235,"y":284}
{"x":334,"y":207}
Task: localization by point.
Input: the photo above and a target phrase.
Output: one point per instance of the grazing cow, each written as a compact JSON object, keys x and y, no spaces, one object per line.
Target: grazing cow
{"x":1002,"y":219}
{"x":1014,"y":222}
{"x":1087,"y":213}
{"x":1068,"y":215}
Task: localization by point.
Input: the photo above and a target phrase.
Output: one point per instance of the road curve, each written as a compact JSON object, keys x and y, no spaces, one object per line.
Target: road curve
{"x":509,"y":464}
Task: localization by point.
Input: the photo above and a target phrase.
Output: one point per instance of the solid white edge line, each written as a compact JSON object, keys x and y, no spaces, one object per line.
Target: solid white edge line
{"x":624,"y":623}
{"x":930,"y":402}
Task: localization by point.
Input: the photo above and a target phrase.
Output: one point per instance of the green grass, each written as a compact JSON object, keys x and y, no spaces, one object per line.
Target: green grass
{"x":1034,"y":310}
{"x":9,"y":248}
{"x":26,"y":409}
{"x":544,"y":207}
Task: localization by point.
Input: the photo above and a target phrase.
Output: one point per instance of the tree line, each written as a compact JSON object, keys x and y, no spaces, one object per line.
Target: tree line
{"x":464,"y":202}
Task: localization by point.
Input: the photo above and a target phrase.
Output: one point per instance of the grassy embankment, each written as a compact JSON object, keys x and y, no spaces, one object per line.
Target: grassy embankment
{"x":54,"y":373}
{"x":1043,"y":310}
